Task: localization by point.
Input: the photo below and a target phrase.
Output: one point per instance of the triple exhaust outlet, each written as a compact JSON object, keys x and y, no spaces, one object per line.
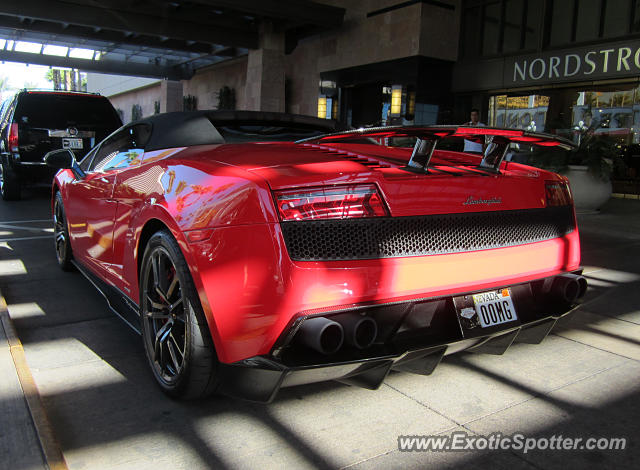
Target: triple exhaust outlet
{"x":327,"y":336}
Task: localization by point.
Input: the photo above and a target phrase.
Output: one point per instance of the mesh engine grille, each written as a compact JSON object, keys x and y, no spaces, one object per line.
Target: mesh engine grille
{"x":390,"y":237}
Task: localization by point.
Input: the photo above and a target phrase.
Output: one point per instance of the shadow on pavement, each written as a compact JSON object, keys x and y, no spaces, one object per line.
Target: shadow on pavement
{"x":100,"y":394}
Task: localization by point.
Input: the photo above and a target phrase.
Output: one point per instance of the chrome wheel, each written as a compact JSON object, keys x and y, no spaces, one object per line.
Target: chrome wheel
{"x":164,"y":314}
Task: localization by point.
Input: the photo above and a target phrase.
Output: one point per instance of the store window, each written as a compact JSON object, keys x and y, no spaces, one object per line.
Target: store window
{"x":527,"y":112}
{"x":606,"y":118}
{"x":612,"y":113}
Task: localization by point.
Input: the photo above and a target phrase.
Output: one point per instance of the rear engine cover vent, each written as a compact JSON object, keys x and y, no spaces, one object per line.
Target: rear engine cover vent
{"x":354,"y":157}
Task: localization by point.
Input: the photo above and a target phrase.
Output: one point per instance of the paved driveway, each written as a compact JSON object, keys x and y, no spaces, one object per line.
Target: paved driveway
{"x":582,"y":381}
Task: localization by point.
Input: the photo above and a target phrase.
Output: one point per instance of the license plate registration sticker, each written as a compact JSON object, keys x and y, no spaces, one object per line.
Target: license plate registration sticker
{"x":73,"y":144}
{"x":494,"y":307}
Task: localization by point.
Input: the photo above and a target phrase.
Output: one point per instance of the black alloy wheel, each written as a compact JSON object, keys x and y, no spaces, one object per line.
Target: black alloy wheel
{"x":61,"y":234}
{"x":176,"y":337}
{"x":9,"y":183}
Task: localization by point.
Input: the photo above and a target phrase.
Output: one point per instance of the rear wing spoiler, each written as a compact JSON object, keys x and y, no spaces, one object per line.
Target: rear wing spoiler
{"x":495,"y":141}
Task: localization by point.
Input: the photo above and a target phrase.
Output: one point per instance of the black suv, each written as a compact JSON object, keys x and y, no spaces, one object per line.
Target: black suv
{"x":34,"y":122}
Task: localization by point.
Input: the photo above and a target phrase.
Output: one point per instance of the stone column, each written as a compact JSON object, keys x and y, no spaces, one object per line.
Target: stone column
{"x":264,"y":89}
{"x":170,"y":96}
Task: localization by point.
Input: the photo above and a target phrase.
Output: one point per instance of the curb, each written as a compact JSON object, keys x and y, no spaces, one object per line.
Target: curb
{"x":49,"y":444}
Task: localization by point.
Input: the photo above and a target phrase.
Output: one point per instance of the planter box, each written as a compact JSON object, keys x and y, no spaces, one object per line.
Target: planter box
{"x":589,"y":193}
{"x":629,"y":186}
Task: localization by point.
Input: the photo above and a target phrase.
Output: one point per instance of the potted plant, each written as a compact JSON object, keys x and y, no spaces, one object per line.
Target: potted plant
{"x":227,"y":98}
{"x":589,"y":167}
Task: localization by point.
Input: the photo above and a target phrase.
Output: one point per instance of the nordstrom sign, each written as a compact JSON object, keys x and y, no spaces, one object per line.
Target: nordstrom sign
{"x":608,"y":60}
{"x":588,"y":63}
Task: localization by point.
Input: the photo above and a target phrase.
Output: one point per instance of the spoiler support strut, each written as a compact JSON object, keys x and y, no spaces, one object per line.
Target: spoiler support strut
{"x":422,"y":153}
{"x":495,"y":150}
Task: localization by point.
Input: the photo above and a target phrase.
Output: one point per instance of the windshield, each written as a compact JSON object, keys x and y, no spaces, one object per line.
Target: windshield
{"x":58,"y":111}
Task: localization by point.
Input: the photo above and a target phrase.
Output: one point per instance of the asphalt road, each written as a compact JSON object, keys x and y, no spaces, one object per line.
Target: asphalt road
{"x":582,"y":381}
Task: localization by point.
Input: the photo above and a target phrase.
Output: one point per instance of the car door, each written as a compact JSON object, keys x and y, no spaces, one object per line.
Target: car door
{"x":125,"y":164}
{"x":91,"y":209}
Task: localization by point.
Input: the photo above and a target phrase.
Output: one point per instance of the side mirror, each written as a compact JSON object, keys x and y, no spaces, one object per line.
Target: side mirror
{"x":63,"y":159}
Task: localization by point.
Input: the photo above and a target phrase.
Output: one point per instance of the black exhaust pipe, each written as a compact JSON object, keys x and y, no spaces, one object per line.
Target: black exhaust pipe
{"x":359,"y":331}
{"x":321,"y":334}
{"x":569,"y":287}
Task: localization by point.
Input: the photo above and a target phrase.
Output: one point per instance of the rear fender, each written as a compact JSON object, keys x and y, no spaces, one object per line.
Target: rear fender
{"x":159,"y":213}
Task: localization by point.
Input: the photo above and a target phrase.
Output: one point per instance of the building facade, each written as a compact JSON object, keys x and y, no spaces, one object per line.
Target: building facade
{"x":560,"y":66}
{"x":390,"y":61}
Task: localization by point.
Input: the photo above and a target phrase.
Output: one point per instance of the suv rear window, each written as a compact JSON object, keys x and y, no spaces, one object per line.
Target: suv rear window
{"x":58,"y":111}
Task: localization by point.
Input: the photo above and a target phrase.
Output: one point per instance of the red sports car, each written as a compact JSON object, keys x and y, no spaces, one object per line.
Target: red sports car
{"x":255,"y":251}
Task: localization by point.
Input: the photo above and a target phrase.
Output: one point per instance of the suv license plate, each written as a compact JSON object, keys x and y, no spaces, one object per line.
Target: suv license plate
{"x":74,"y":144}
{"x":494,"y":307}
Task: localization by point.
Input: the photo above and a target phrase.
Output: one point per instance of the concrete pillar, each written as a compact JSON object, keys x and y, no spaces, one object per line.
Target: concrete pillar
{"x":170,"y":96}
{"x":264,"y":89}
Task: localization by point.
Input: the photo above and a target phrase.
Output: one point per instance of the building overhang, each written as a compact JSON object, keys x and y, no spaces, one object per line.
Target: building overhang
{"x":152,"y":38}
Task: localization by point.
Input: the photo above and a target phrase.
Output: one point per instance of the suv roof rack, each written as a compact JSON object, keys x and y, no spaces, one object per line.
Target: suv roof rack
{"x":27,"y":90}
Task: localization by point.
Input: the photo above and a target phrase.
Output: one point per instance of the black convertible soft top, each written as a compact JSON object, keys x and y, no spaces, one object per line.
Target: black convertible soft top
{"x":184,"y":129}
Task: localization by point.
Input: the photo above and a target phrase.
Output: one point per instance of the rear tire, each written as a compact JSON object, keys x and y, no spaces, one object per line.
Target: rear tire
{"x":61,"y":233}
{"x":176,"y":335}
{"x":9,"y":183}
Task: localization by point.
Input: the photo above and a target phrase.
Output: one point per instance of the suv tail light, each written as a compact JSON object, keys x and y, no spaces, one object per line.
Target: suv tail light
{"x":336,"y":202}
{"x":13,"y":137}
{"x":558,"y":193}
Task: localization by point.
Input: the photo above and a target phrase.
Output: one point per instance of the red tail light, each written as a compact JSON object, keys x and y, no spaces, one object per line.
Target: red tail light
{"x":13,"y":137}
{"x":338,"y":202}
{"x":558,"y":193}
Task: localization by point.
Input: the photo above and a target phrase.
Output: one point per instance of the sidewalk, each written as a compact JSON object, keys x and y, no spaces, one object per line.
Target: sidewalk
{"x":609,"y":316}
{"x":19,"y":444}
{"x":92,"y":374}
{"x":619,"y":218}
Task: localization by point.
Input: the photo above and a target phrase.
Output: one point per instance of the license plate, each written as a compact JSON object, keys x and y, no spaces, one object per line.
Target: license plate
{"x":74,"y":144}
{"x":494,"y":307}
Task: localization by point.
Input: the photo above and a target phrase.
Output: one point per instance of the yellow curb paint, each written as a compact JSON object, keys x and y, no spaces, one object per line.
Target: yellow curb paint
{"x":50,"y":448}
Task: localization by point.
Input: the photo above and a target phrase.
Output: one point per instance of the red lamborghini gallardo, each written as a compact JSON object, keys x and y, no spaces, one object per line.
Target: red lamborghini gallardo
{"x":255,"y":251}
